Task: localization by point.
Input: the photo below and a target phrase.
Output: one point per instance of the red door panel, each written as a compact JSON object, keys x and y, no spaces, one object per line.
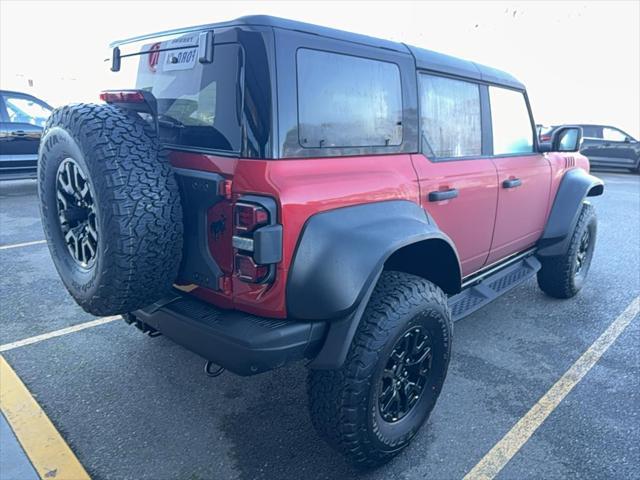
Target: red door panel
{"x":522,"y":209}
{"x":467,"y":219}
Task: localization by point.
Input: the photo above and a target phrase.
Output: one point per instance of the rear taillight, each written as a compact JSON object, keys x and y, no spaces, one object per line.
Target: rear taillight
{"x":248,"y":271}
{"x":248,"y":217}
{"x":545,"y":138}
{"x":122,"y":96}
{"x":257,"y":239}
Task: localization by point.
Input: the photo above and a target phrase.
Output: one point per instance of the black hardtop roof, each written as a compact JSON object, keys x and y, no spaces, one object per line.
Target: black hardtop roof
{"x":425,"y":59}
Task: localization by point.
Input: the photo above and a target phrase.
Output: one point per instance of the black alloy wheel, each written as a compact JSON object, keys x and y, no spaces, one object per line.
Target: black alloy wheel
{"x":405,"y":374}
{"x":583,"y":250}
{"x":77,"y":212}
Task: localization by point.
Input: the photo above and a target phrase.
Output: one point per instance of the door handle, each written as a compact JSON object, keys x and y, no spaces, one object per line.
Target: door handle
{"x":512,"y":183}
{"x":19,"y":133}
{"x":440,"y":195}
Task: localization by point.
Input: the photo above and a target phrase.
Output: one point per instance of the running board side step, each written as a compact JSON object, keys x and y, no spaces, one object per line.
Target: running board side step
{"x":491,"y":287}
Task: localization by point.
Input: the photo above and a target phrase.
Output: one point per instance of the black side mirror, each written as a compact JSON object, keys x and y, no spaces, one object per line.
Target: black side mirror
{"x":627,"y":139}
{"x":563,"y":139}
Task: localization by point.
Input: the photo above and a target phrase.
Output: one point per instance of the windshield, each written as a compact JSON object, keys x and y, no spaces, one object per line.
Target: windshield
{"x":198,"y":103}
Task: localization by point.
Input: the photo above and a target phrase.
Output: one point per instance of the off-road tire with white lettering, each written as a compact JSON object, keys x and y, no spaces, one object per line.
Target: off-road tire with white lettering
{"x":344,"y":403}
{"x":133,"y":199}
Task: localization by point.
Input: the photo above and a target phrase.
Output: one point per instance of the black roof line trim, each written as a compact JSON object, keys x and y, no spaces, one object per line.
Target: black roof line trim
{"x":274,"y":22}
{"x":424,"y":59}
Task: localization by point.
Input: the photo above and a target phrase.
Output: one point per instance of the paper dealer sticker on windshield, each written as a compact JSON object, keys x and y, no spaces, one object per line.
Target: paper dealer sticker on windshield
{"x":180,"y":59}
{"x":183,"y":59}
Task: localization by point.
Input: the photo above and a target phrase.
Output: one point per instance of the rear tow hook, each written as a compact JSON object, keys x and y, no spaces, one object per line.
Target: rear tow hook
{"x":213,"y":369}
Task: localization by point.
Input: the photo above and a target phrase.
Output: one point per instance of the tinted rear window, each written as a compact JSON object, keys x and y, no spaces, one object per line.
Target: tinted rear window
{"x":346,"y":101}
{"x":198,"y":103}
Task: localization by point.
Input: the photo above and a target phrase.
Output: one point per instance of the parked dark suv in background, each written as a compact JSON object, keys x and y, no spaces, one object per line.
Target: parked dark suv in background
{"x":22,"y":118}
{"x":605,"y":146}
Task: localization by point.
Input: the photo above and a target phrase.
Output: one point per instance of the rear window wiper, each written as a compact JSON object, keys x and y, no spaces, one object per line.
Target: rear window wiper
{"x":168,"y":121}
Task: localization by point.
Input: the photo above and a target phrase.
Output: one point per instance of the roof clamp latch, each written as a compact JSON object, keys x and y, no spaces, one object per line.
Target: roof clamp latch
{"x":205,"y":47}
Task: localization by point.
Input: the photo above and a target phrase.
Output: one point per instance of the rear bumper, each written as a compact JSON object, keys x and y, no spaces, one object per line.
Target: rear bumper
{"x":241,"y":343}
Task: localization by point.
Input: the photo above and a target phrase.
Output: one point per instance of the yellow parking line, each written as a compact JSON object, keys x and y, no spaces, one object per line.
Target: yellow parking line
{"x":49,"y":454}
{"x":510,"y":444}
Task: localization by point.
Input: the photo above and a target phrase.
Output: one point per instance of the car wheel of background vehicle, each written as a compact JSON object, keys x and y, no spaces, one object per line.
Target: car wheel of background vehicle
{"x":373,"y":406}
{"x":110,"y":208}
{"x":563,"y":276}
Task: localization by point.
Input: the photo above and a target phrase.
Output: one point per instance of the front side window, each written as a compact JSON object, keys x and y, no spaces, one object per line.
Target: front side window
{"x":512,"y":131}
{"x":613,"y":135}
{"x":450,"y":117}
{"x":346,"y":101}
{"x":26,"y":110}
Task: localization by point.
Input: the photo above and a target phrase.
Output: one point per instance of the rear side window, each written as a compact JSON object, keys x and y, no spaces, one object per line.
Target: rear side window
{"x":591,"y":131}
{"x":512,"y":130}
{"x":198,"y":104}
{"x":450,"y":117}
{"x":346,"y":101}
{"x":613,"y":134}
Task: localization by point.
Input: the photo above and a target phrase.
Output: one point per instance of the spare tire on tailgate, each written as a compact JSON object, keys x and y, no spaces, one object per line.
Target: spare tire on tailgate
{"x":110,"y":208}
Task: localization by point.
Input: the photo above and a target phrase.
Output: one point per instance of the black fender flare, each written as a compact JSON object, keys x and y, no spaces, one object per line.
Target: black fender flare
{"x":574,"y":187}
{"x":338,"y":260}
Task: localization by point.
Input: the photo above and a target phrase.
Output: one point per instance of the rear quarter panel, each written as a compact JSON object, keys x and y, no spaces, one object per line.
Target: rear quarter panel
{"x":302,"y":188}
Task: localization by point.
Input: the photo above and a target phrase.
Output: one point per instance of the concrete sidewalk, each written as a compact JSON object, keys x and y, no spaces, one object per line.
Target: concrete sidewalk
{"x":14,"y":464}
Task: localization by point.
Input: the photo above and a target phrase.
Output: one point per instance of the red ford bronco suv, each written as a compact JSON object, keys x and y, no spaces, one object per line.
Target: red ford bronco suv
{"x":269,"y":191}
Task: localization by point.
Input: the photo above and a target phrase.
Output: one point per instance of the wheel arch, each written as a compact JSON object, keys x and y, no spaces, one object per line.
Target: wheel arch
{"x":575,"y":187}
{"x":433,"y":259}
{"x":341,"y":254}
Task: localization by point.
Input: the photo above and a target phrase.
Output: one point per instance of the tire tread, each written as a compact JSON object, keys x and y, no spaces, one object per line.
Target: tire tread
{"x":336,"y":396}
{"x":556,"y":277}
{"x":139,"y":202}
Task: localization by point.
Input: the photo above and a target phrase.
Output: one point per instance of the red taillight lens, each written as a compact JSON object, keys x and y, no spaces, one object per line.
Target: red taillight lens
{"x":248,"y":220}
{"x":545,"y":138}
{"x":248,"y":271}
{"x":122,"y":96}
{"x":249,"y":217}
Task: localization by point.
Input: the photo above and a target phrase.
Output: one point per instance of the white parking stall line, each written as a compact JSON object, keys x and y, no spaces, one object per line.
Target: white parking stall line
{"x":23,"y":244}
{"x":58,"y":333}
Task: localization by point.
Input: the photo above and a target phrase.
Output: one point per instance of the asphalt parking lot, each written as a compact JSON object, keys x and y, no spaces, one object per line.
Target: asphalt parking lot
{"x":133,"y":407}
